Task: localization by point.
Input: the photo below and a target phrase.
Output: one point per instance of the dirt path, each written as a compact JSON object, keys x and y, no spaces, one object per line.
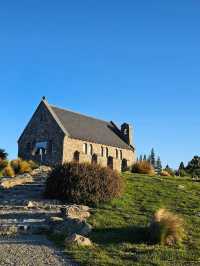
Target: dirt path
{"x":28,"y":248}
{"x":30,"y":251}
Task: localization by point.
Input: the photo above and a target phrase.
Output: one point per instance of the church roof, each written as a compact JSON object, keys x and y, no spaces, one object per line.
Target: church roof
{"x":89,"y":129}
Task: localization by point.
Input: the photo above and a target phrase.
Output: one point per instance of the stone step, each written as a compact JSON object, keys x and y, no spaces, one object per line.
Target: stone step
{"x":25,"y":227}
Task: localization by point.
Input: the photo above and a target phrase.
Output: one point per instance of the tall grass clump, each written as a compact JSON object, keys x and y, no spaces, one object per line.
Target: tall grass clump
{"x":143,"y":167}
{"x":8,"y":171}
{"x":166,"y":228}
{"x":83,"y":183}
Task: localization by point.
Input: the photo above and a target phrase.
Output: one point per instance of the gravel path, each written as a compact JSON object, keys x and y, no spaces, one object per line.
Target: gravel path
{"x":31,"y":251}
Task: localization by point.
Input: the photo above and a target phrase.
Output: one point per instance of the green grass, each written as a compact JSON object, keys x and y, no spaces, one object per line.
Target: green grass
{"x":119,"y":228}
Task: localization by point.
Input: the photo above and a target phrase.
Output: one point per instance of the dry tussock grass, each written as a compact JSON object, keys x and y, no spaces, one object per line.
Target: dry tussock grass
{"x":167,"y":228}
{"x":16,"y":181}
{"x":143,"y":167}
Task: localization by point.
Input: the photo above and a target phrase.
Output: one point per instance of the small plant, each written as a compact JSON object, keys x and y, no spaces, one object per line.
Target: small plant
{"x":24,"y":167}
{"x":164,"y":173}
{"x":3,"y":164}
{"x":143,"y":167}
{"x":83,"y":183}
{"x":16,"y":165}
{"x":8,"y":171}
{"x":166,"y":228}
{"x":169,"y":170}
{"x":33,"y":164}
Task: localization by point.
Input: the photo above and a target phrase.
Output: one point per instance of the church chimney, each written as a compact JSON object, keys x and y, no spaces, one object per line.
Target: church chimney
{"x":127,"y":133}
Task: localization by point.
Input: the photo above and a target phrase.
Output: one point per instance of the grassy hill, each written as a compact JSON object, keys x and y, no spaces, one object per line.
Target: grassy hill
{"x":120,"y":226}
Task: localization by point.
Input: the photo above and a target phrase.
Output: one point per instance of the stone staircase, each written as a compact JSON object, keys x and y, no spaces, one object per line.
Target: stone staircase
{"x":23,"y":209}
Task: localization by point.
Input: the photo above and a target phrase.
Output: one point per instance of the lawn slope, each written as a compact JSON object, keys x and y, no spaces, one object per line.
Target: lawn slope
{"x":119,"y":234}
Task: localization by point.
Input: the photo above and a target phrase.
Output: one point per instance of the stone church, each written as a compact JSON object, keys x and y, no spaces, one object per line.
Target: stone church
{"x":55,"y":135}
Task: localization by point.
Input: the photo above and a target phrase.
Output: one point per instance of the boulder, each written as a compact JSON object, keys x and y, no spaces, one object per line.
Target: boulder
{"x":78,"y":240}
{"x":31,"y":205}
{"x":78,"y":226}
{"x":55,"y":219}
{"x":75,"y":212}
{"x":71,"y":226}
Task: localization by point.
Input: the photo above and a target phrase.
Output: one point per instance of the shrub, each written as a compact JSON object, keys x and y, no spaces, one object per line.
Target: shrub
{"x":164,"y":173}
{"x":16,"y":165}
{"x":182,"y":173}
{"x":8,"y":171}
{"x":24,"y":167}
{"x":3,"y":164}
{"x":33,"y":164}
{"x":143,"y":167}
{"x":169,"y":170}
{"x":83,"y":183}
{"x":166,"y":228}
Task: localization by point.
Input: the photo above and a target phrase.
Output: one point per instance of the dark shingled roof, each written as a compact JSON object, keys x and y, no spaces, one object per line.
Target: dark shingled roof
{"x":90,"y":129}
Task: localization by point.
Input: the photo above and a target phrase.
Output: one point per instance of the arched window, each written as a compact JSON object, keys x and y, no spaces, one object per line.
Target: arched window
{"x":117,"y":154}
{"x":94,"y":159}
{"x":90,"y":149}
{"x":106,"y":152}
{"x":76,"y":156}
{"x":121,"y":155}
{"x":85,"y":148}
{"x":102,"y":151}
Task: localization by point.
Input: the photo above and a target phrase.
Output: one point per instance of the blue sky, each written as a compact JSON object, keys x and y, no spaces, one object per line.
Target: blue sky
{"x":134,"y":61}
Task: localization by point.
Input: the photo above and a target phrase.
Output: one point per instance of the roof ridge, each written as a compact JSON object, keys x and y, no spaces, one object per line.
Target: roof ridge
{"x":64,"y":109}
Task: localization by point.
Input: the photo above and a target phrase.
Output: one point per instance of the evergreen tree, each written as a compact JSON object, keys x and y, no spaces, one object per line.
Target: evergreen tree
{"x":145,"y":158}
{"x":169,"y":170}
{"x":3,"y":155}
{"x":181,"y":167}
{"x":158,"y":166}
{"x":152,"y":158}
{"x":140,"y":158}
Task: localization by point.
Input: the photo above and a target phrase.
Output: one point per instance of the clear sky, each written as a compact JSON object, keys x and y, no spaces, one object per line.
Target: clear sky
{"x":120,"y":60}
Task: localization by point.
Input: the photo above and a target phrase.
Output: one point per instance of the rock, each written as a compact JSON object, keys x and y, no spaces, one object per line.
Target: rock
{"x":78,"y":226}
{"x":75,"y":212}
{"x":31,"y":204}
{"x":78,"y":240}
{"x":181,"y":186}
{"x":71,"y":226}
{"x":56,"y":219}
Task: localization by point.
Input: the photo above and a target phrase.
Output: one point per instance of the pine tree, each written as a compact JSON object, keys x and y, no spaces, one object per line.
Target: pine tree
{"x":145,"y":158}
{"x":140,"y":158}
{"x":3,"y":155}
{"x":152,"y":158}
{"x":158,"y":165}
{"x":181,"y":167}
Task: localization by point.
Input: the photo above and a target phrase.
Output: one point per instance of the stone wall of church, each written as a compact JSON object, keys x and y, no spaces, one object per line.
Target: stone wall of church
{"x":42,"y":128}
{"x":74,"y":145}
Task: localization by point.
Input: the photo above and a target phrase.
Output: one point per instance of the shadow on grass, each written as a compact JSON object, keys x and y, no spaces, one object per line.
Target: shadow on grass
{"x":131,"y":234}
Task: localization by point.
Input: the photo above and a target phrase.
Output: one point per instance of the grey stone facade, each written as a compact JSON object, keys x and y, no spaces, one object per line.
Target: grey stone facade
{"x":46,"y":140}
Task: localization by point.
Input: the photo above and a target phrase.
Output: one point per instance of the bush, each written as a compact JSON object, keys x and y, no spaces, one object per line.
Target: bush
{"x":33,"y":164}
{"x":182,"y":173}
{"x":166,"y":228}
{"x":169,"y":170}
{"x":16,"y":165}
{"x":143,"y":167}
{"x":164,"y":173}
{"x":3,"y":164}
{"x":8,"y":171}
{"x":24,"y":167}
{"x":83,"y":183}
